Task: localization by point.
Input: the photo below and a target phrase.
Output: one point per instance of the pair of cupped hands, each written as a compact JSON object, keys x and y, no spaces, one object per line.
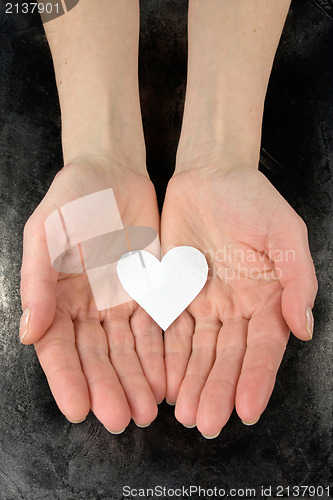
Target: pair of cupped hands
{"x":223,"y":351}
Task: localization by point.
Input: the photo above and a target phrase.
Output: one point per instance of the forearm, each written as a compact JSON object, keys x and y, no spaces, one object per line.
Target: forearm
{"x":95,"y":54}
{"x":232,"y":44}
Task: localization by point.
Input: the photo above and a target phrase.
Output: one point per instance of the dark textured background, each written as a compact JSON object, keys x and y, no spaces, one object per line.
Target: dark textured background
{"x":42,"y":456}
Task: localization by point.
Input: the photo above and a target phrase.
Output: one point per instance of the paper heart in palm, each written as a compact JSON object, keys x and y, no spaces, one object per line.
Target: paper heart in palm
{"x":163,"y":288}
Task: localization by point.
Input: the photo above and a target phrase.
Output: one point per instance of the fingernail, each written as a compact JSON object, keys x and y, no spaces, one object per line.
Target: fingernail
{"x":24,"y":323}
{"x":76,"y":421}
{"x":211,"y":437}
{"x":189,"y":426}
{"x":309,"y":322}
{"x":171,"y":404}
{"x":115,"y":432}
{"x":142,"y":426}
{"x":251,"y":423}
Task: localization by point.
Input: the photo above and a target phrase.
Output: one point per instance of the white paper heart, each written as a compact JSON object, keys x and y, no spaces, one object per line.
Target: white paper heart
{"x":163,"y":289}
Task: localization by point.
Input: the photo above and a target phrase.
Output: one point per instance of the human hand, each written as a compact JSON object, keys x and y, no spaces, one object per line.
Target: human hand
{"x":226,"y":348}
{"x":108,"y":361}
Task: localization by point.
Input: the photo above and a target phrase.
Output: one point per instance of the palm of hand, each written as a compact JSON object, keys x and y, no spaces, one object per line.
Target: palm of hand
{"x":110,"y":361}
{"x":227,"y":347}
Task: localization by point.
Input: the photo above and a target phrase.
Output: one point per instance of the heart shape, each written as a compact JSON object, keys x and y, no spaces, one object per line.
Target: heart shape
{"x":164,"y":289}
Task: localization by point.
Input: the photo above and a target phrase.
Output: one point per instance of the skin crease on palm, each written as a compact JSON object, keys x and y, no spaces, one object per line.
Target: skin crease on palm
{"x":225,"y":349}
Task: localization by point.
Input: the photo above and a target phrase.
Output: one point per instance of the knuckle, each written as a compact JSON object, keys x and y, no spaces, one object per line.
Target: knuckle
{"x":315,"y":283}
{"x":121,"y":341}
{"x":302,"y":227}
{"x":30,"y":225}
{"x":27,"y":227}
{"x":25,"y":284}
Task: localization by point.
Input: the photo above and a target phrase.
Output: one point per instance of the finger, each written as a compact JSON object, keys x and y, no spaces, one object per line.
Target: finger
{"x":150,"y":350}
{"x":58,"y":356}
{"x":217,"y":399}
{"x":38,"y":284}
{"x":108,"y":400}
{"x":267,"y":339}
{"x":200,"y":363}
{"x":295,"y":269}
{"x":178,"y":347}
{"x":139,"y":395}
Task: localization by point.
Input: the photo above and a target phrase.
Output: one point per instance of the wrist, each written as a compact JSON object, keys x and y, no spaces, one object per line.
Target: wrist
{"x":103,"y":127}
{"x":216,"y":155}
{"x":220,"y":128}
{"x":105,"y":143}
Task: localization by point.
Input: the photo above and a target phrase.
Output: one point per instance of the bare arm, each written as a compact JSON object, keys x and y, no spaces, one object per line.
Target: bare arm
{"x":232,"y":45}
{"x":95,"y":53}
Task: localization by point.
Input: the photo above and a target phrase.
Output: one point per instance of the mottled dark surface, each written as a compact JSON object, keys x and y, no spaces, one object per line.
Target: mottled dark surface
{"x":42,"y":456}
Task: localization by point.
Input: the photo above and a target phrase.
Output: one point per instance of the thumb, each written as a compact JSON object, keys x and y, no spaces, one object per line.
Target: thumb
{"x":38,"y":283}
{"x":295,"y":269}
